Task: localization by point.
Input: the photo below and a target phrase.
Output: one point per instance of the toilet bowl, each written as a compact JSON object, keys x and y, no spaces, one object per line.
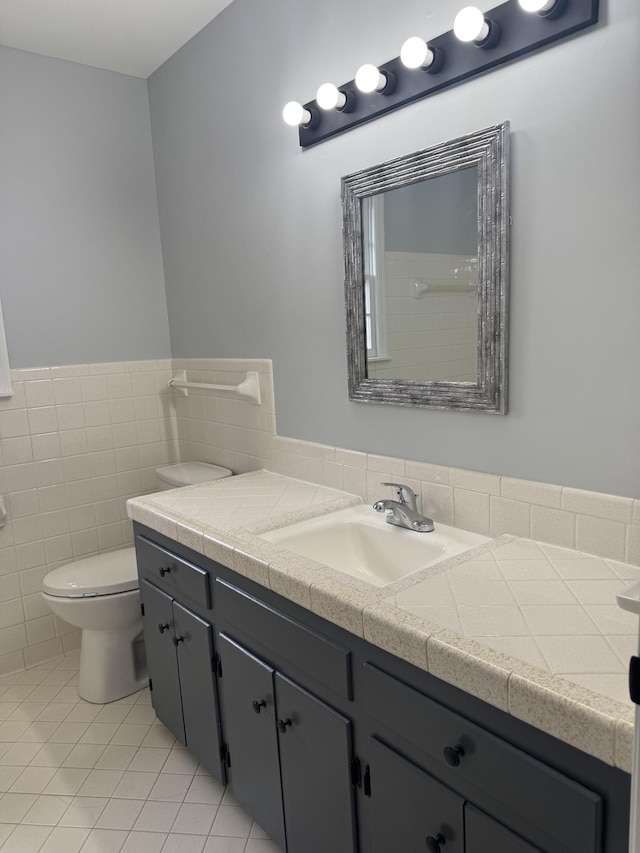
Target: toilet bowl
{"x":100,"y":595}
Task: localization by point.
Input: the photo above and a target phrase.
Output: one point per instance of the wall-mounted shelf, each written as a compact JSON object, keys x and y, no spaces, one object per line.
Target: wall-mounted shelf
{"x":248,"y":389}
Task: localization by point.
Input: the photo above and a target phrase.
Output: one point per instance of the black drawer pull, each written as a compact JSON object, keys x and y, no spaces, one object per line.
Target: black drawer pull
{"x":258,"y":706}
{"x":164,"y":572}
{"x":177,"y":640}
{"x":283,"y":725}
{"x":434,"y":845}
{"x":163,"y":628}
{"x":453,"y":754}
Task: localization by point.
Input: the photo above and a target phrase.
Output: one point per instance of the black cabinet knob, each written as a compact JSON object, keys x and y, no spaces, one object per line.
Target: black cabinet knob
{"x":258,"y":706}
{"x":283,"y":725}
{"x":164,"y":572}
{"x":435,"y":845}
{"x":453,"y":754}
{"x":177,"y":640}
{"x":163,"y":628}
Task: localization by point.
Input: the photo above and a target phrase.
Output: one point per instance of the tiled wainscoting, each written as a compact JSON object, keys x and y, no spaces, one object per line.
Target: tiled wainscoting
{"x":77,"y":441}
{"x":244,"y":437}
{"x":83,"y":778}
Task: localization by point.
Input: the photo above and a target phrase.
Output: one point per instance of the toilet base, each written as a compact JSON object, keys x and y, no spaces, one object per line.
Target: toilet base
{"x":110,"y":667}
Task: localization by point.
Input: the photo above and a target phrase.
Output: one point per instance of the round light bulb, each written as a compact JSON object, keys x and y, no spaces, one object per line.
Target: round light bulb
{"x":295,"y":114}
{"x":329,"y":97}
{"x":470,"y":25}
{"x":415,"y":53}
{"x":537,"y":5}
{"x":369,"y":78}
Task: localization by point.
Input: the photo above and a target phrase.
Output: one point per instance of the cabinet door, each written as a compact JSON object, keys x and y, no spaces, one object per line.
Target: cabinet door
{"x":246,"y":690}
{"x":410,"y":810}
{"x":315,"y":765}
{"x":194,"y":644}
{"x":486,"y":835}
{"x":161,"y":657}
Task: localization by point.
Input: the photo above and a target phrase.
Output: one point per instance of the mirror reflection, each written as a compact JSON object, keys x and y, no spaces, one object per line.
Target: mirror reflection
{"x":420,"y":258}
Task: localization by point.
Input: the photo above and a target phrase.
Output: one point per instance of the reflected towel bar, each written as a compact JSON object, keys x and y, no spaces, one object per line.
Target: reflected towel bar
{"x":249,"y":388}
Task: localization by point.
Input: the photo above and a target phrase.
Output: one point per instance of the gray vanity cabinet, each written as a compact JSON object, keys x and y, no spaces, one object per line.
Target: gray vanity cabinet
{"x":179,"y":646}
{"x":335,"y":746}
{"x":413,"y":812}
{"x":410,"y":810}
{"x":248,"y":709}
{"x":290,"y":755}
{"x":485,"y":835}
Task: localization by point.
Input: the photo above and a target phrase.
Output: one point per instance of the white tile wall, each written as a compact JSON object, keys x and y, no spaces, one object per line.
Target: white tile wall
{"x":432,"y":334}
{"x":75,"y":442}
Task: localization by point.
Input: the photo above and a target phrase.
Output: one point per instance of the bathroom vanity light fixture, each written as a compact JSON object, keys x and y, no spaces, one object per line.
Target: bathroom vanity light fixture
{"x":503,"y":34}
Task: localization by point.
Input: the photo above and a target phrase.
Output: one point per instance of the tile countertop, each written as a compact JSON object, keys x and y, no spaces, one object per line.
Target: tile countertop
{"x":530,"y":628}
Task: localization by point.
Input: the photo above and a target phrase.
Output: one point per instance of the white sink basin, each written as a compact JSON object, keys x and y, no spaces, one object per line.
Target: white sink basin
{"x":359,"y":542}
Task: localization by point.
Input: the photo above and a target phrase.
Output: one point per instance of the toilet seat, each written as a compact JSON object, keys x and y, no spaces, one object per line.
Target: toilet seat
{"x":102,"y":574}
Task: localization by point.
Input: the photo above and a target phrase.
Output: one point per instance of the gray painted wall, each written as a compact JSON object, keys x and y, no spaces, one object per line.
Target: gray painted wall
{"x":82,"y":277}
{"x":251,"y":229}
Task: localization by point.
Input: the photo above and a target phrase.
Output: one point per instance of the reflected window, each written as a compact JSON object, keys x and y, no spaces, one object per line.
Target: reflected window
{"x":375,"y":315}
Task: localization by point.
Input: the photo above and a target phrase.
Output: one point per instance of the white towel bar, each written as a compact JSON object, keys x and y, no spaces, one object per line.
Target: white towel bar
{"x":249,"y":388}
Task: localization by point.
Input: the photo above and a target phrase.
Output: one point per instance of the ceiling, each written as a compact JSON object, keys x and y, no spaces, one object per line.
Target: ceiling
{"x":130,"y":36}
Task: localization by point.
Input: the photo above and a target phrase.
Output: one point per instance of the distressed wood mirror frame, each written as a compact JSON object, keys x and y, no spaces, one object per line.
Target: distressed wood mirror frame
{"x":488,"y":151}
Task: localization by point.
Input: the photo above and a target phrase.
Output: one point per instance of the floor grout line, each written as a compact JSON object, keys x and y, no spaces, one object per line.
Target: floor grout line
{"x":65,"y":768}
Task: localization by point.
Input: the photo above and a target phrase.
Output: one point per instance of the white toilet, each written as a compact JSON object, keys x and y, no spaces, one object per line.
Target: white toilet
{"x":100,"y":595}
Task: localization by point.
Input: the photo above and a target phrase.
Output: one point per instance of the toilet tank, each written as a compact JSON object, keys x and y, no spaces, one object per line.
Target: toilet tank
{"x":189,"y":473}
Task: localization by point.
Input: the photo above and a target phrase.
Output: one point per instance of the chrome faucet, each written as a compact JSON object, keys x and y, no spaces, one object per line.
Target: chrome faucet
{"x":403,"y":512}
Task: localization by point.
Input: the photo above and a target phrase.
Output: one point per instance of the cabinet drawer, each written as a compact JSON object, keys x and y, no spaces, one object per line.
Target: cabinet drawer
{"x":556,"y":812}
{"x":328,"y":662}
{"x":171,"y":572}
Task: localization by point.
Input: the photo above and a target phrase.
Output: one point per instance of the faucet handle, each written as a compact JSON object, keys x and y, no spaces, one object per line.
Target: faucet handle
{"x":405,"y":494}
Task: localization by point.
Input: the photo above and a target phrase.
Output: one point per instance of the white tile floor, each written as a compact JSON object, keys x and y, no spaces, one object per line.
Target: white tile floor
{"x":83,"y":778}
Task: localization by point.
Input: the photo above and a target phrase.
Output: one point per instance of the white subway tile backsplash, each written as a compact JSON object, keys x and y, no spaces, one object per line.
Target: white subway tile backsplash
{"x":474,"y":481}
{"x":602,"y":506}
{"x":601,"y":536}
{"x":555,"y":526}
{"x":541,"y":494}
{"x":633,"y":545}
{"x":471,"y":511}
{"x":509,"y":516}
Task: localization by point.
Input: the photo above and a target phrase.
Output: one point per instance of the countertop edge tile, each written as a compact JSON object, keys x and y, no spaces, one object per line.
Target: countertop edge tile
{"x":399,"y":633}
{"x":471,"y":667}
{"x":577,"y":724}
{"x":289,"y":577}
{"x":624,"y":745}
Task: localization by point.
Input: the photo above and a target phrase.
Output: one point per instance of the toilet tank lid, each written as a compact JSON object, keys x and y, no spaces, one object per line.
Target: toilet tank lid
{"x":189,"y":473}
{"x":103,"y":574}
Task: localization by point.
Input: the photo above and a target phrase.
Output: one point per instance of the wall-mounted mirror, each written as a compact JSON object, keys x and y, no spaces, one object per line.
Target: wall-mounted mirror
{"x":426,"y":262}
